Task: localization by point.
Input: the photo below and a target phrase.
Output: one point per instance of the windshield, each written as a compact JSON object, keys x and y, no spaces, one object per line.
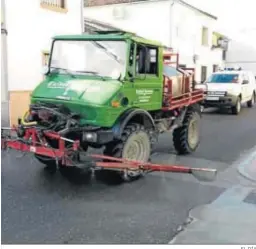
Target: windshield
{"x":223,"y":78}
{"x":103,"y":58}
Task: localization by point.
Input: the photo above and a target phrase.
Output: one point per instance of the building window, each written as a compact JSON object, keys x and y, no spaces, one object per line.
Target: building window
{"x":215,"y":68}
{"x":224,"y":55}
{"x":203,"y":73}
{"x":45,"y":58}
{"x":205,"y":36}
{"x":54,"y":5}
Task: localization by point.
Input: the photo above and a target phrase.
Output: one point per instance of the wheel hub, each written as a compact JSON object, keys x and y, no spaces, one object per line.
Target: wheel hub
{"x":136,"y":148}
{"x":193,"y":133}
{"x":133,"y":150}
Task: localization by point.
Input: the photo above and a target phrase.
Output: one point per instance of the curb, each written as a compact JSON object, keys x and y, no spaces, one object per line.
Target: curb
{"x":229,"y":203}
{"x":248,"y":163}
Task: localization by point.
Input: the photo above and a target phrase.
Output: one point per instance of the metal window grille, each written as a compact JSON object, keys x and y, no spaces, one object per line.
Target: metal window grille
{"x":55,"y":3}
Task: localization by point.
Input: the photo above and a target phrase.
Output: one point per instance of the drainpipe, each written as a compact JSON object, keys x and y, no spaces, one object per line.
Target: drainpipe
{"x":171,"y":23}
{"x":82,"y":16}
{"x":4,"y":69}
{"x":173,"y":2}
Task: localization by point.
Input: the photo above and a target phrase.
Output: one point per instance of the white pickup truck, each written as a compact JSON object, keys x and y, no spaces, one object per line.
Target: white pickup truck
{"x":229,"y":89}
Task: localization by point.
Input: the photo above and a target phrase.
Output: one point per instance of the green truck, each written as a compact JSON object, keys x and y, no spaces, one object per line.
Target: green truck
{"x":117,"y":91}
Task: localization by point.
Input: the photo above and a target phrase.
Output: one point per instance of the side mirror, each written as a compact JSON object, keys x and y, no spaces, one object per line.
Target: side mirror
{"x":245,"y":82}
{"x":45,"y":70}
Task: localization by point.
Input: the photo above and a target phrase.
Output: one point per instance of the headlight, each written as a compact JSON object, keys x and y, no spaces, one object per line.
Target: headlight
{"x":90,"y":137}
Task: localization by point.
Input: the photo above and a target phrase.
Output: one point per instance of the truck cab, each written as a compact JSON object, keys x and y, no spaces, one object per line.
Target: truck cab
{"x":230,"y":88}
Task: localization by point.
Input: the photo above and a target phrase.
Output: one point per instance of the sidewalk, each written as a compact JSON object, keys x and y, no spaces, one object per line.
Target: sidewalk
{"x":248,"y":167}
{"x":230,"y":219}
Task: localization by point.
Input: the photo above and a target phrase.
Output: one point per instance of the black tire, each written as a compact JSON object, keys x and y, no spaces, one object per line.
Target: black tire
{"x":237,"y":108}
{"x":72,"y":173}
{"x":251,"y":102}
{"x":130,"y":136}
{"x":202,"y":108}
{"x":50,"y":164}
{"x":181,"y":140}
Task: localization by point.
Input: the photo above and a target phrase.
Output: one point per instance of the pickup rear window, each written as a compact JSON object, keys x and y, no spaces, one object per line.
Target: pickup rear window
{"x":223,"y":78}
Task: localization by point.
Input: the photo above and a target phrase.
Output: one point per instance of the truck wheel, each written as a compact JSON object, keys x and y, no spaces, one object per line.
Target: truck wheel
{"x":72,"y":173}
{"x":237,"y":108}
{"x":187,"y":137}
{"x":134,"y":145}
{"x":251,"y":102}
{"x":201,"y":108}
{"x":48,"y":162}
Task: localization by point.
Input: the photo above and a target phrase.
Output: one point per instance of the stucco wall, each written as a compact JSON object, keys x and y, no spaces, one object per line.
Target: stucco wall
{"x":147,"y":19}
{"x":179,"y":27}
{"x":187,"y":39}
{"x":30,"y":29}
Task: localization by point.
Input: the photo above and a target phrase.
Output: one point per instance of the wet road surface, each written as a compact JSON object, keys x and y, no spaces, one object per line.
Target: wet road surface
{"x":42,"y":208}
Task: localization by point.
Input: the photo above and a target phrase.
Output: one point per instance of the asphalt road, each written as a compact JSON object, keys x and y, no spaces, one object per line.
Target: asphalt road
{"x":42,"y":208}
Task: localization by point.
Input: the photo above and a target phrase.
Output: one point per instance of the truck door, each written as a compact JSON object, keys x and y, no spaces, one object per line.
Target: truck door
{"x":148,"y":82}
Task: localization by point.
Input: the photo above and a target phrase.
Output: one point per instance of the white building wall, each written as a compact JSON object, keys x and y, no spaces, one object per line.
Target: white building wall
{"x":242,"y":55}
{"x":187,"y":39}
{"x":148,"y":19}
{"x":30,"y":29}
{"x":179,"y":27}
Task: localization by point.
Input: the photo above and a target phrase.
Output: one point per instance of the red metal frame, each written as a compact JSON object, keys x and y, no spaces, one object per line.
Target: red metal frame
{"x":189,"y":95}
{"x":105,"y":162}
{"x":40,"y":148}
{"x":168,"y":58}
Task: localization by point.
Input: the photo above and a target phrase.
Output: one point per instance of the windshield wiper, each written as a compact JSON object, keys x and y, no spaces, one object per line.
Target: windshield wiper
{"x":66,"y":70}
{"x":120,"y":78}
{"x":91,"y":72}
{"x":107,"y":51}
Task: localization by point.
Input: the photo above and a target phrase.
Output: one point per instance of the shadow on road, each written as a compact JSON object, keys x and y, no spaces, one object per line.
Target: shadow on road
{"x":221,"y":111}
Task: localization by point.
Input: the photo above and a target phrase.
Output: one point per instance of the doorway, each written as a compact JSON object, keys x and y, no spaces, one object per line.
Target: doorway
{"x":203,"y":73}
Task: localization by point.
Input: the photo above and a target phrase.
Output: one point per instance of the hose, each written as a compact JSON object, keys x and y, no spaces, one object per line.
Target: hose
{"x":23,"y":122}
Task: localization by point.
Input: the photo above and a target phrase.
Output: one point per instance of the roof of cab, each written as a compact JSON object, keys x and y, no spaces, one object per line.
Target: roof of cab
{"x":108,"y":35}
